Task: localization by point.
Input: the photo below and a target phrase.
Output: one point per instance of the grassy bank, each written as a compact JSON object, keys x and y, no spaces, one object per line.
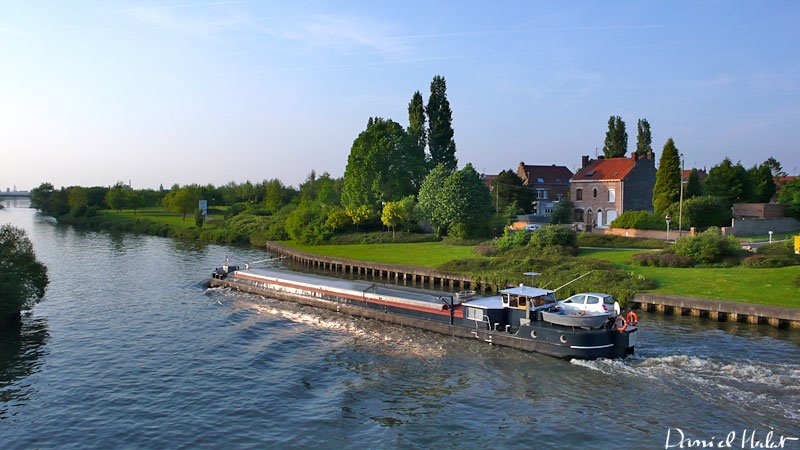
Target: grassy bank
{"x":763,"y":286}
{"x":156,"y":222}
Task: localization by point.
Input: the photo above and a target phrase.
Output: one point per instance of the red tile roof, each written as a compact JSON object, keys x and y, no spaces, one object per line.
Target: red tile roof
{"x":605,"y":169}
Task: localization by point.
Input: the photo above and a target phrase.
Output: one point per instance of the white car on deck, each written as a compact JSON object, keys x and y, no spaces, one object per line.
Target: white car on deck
{"x":591,"y":302}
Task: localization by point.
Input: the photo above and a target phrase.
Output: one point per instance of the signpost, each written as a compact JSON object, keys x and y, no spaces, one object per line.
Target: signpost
{"x":203,"y":207}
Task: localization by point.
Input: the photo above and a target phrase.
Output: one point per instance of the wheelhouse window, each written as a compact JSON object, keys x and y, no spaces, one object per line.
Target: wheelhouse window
{"x":523,"y":301}
{"x":579,"y":194}
{"x":475,"y":314}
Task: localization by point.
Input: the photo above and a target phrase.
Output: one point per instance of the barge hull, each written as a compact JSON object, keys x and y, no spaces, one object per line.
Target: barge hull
{"x":489,"y":336}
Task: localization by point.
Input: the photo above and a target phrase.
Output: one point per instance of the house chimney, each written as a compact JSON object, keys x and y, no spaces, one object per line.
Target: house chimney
{"x":650,"y":155}
{"x":584,"y":161}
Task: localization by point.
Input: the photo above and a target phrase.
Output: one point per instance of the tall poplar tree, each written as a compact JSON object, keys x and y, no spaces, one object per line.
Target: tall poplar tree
{"x":764,"y":183}
{"x":643,"y":137}
{"x":616,"y":143}
{"x":668,"y":178}
{"x":414,"y":155}
{"x":440,"y":126}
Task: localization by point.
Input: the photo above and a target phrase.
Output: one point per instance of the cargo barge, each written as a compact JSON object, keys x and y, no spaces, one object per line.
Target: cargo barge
{"x":513,"y":318}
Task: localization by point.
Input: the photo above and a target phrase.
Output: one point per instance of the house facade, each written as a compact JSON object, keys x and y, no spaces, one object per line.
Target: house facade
{"x":604,"y":188}
{"x":551,"y":184}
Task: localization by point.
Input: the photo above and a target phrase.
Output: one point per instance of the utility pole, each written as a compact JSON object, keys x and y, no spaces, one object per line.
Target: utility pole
{"x":680,"y":204}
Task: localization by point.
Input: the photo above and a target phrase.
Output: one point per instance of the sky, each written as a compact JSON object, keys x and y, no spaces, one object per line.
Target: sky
{"x":191,"y":91}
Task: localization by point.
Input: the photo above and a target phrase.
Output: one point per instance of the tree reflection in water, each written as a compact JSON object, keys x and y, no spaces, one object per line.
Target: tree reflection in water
{"x":22,"y":345}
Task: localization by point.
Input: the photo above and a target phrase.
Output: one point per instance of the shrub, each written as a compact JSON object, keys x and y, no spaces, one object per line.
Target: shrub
{"x":702,"y":212}
{"x":662,"y":259}
{"x":554,"y":235}
{"x":610,"y":240}
{"x":640,"y":220}
{"x":707,"y":247}
{"x":777,"y":248}
{"x":513,"y":239}
{"x":235,"y":209}
{"x":769,"y":261}
{"x":378,"y":237}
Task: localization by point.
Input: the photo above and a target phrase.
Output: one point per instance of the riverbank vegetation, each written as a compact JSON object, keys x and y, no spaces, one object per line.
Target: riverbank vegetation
{"x":23,"y":279}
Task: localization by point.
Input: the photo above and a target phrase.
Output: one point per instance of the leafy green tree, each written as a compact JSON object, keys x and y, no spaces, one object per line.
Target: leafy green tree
{"x":276,"y":195}
{"x":728,"y":181}
{"x":59,"y":203}
{"x":377,"y":169}
{"x":135,"y":201}
{"x":398,"y":213}
{"x":668,"y":178}
{"x":199,"y":219}
{"x":616,"y":143}
{"x":440,"y":126}
{"x":416,"y":135}
{"x":117,"y":197}
{"x":509,"y":188}
{"x":703,"y":211}
{"x":562,"y":213}
{"x":694,"y":187}
{"x":40,"y":196}
{"x":644,"y":139}
{"x":430,"y":205}
{"x":466,"y":201}
{"x":182,"y":200}
{"x":764,"y":183}
{"x":789,"y":195}
{"x":77,"y":197}
{"x":337,"y":219}
{"x":23,"y":279}
{"x":360,"y":214}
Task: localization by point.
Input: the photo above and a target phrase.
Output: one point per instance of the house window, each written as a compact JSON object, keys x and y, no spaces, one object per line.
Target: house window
{"x":540,"y":180}
{"x":559,"y":197}
{"x":594,"y":192}
{"x":579,"y":194}
{"x":578,"y":215}
{"x":612,"y":195}
{"x":541,"y":194}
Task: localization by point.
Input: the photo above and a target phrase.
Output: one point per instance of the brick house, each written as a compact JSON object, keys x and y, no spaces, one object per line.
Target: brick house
{"x":605,"y":188}
{"x":551,"y":184}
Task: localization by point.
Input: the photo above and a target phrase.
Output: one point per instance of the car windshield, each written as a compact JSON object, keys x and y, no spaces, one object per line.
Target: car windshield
{"x":578,"y":299}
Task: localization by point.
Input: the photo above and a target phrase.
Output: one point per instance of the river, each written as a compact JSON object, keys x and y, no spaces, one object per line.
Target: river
{"x":129,"y":349}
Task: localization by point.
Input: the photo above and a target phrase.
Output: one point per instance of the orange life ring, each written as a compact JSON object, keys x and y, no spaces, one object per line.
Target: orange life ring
{"x":620,"y":324}
{"x":632,"y":318}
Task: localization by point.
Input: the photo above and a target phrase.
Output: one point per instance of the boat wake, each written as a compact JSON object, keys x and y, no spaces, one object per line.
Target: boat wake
{"x":771,"y":386}
{"x":376,"y":335}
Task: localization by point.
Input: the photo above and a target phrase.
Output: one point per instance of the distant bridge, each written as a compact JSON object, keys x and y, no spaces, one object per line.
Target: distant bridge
{"x":14,"y":194}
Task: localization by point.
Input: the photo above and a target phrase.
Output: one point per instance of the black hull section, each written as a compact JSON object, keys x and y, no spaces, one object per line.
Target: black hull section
{"x":539,"y":336}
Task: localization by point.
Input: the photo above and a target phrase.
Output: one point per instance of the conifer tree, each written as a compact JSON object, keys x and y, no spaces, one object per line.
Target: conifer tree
{"x":616,"y":143}
{"x":441,"y":145}
{"x":643,"y":137}
{"x":668,"y":178}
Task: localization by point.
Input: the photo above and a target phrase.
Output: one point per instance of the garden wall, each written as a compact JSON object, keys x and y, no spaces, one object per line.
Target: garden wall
{"x":641,"y":234}
{"x":758,"y":227}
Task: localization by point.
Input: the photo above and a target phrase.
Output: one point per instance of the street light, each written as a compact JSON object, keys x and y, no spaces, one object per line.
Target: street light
{"x":680,"y":205}
{"x":668,"y":219}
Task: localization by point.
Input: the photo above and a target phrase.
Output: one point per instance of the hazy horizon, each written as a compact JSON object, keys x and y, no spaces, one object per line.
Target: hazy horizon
{"x":210,"y":92}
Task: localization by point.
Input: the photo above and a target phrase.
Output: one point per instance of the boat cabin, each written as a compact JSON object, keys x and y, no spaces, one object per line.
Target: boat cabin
{"x":512,"y":308}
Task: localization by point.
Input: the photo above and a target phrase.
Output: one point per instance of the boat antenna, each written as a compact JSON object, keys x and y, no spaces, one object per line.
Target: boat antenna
{"x":576,"y":279}
{"x":252,"y":263}
{"x":533,"y":276}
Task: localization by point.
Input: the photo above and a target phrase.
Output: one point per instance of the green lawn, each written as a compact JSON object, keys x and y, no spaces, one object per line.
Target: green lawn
{"x":425,"y":254}
{"x":764,"y":286}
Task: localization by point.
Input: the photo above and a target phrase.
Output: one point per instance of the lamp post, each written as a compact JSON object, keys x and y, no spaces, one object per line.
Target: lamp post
{"x":668,"y":219}
{"x":770,"y":237}
{"x":680,"y":204}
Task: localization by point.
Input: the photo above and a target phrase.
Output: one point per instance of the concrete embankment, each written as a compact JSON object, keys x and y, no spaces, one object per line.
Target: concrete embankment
{"x":720,"y":310}
{"x":397,"y":272}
